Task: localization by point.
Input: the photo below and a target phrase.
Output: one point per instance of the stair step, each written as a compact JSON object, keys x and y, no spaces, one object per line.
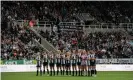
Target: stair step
{"x":44,"y":42}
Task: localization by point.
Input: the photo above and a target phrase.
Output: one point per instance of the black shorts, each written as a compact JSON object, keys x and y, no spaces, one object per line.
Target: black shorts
{"x":58,"y":64}
{"x":45,"y":63}
{"x":62,"y":64}
{"x":51,"y":64}
{"x":73,"y":64}
{"x":78,"y":63}
{"x":67,"y":64}
{"x":38,"y":65}
{"x":93,"y":63}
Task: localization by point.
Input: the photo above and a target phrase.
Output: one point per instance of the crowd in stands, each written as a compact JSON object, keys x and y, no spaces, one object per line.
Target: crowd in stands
{"x":115,"y":12}
{"x":16,"y":41}
{"x":108,"y":45}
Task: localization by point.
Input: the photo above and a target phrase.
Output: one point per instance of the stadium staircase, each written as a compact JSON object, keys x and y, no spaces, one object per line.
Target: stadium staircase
{"x":44,"y":43}
{"x":42,"y":25}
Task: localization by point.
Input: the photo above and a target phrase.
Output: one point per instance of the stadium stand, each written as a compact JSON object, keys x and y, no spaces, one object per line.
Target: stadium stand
{"x":16,"y":39}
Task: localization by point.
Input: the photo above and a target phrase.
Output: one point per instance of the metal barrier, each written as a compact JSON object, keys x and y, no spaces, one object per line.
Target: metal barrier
{"x":101,"y":25}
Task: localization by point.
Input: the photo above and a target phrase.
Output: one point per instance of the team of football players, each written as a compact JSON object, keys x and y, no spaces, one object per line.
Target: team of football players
{"x":72,"y":63}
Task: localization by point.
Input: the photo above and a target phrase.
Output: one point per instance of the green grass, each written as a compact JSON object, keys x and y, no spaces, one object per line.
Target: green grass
{"x":100,"y":76}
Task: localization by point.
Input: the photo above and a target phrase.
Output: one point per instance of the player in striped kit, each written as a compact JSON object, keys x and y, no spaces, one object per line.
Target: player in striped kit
{"x":68,"y":63}
{"x":93,"y":63}
{"x":83,"y":62}
{"x":73,"y":61}
{"x":39,"y":63}
{"x":78,"y":59}
{"x":63,"y":63}
{"x":52,"y":64}
{"x":58,"y":63}
{"x":88,"y":62}
{"x":45,"y":63}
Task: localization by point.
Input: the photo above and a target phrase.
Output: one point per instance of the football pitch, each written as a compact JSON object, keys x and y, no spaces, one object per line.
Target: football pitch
{"x":100,"y":76}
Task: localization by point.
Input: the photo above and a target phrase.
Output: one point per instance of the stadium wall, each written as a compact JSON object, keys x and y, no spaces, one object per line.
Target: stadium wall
{"x":32,"y":68}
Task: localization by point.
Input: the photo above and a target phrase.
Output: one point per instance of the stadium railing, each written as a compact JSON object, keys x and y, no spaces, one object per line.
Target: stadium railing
{"x":101,"y":25}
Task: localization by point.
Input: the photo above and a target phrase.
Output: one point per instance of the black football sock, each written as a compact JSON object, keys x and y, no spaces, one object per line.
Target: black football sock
{"x":44,"y":71}
{"x":51,"y":73}
{"x":40,"y":72}
{"x":79,"y":73}
{"x":37,"y":73}
{"x":88,"y":72}
{"x":57,"y":72}
{"x":95,"y":71}
{"x":66,"y":72}
{"x":61,"y":72}
{"x":91,"y":72}
{"x":69,"y":72}
{"x":76,"y":72}
{"x":47,"y":71}
{"x":73,"y":73}
{"x":54,"y":72}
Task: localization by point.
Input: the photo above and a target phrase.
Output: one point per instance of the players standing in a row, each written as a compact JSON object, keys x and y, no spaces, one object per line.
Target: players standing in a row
{"x":82,"y":62}
{"x":88,"y":63}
